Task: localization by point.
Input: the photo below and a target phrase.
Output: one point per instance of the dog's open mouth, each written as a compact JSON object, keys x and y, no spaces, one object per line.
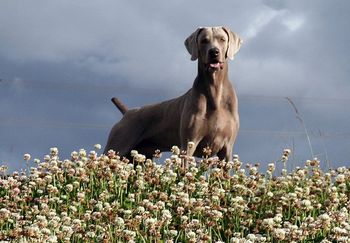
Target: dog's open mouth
{"x":216,"y":65}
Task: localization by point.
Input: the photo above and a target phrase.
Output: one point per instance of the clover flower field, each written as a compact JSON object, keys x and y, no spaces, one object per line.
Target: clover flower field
{"x":92,"y":197}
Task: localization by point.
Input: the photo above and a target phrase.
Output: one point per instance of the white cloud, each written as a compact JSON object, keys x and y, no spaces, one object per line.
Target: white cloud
{"x":261,"y":19}
{"x":293,"y":23}
{"x":270,"y":76}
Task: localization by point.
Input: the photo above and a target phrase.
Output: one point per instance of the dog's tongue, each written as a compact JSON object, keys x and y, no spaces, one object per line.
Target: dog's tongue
{"x":215,"y":65}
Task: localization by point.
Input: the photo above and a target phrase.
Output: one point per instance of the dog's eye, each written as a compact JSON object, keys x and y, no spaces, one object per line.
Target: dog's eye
{"x":205,"y":41}
{"x":222,"y":39}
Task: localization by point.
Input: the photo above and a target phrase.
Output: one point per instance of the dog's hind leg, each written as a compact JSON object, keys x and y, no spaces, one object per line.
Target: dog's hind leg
{"x":124,"y":136}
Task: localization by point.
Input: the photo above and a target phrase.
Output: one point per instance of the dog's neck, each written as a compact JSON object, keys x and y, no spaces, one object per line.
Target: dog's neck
{"x":212,"y":83}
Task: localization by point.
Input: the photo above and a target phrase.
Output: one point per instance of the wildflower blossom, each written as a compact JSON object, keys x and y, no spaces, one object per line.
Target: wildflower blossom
{"x":26,"y":157}
{"x":97,"y":146}
{"x":175,"y":150}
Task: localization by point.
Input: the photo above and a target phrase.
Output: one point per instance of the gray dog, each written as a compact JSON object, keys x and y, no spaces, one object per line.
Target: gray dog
{"x":206,"y":115}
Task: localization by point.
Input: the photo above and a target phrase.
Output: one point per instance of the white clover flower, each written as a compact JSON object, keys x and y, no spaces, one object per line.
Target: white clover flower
{"x":175,"y":150}
{"x":4,"y":213}
{"x":306,"y":203}
{"x":133,"y":153}
{"x":67,"y":230}
{"x":195,"y":222}
{"x":150,"y":221}
{"x":99,"y":205}
{"x":129,"y":233}
{"x":96,"y":215}
{"x":189,"y":175}
{"x":215,"y":198}
{"x":160,"y":204}
{"x":235,"y":240}
{"x":286,"y":152}
{"x":339,"y":231}
{"x":262,"y":239}
{"x":251,"y":237}
{"x":191,"y":235}
{"x":166,"y":215}
{"x":73,"y":208}
{"x":138,"y":168}
{"x":181,"y":184}
{"x":54,"y":151}
{"x":76,"y":184}
{"x":279,"y":233}
{"x":74,"y":155}
{"x":238,"y":199}
{"x":90,"y":234}
{"x":47,"y":158}
{"x":253,"y":170}
{"x":341,"y":170}
{"x":271,"y":167}
{"x":26,"y":157}
{"x":216,"y":170}
{"x":217,"y":215}
{"x":48,"y":179}
{"x":52,"y":239}
{"x":82,"y":152}
{"x":140,"y":158}
{"x":340,"y":178}
{"x":269,"y":222}
{"x":46,"y":231}
{"x":140,"y":210}
{"x":119,"y":222}
{"x":69,"y":187}
{"x":97,"y":146}
{"x":173,"y":233}
{"x":41,"y":217}
{"x":92,"y":154}
{"x":127,"y":213}
{"x":278,"y":218}
{"x":165,"y":179}
{"x":184,"y":218}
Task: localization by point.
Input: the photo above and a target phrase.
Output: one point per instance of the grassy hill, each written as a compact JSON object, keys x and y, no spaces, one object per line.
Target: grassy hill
{"x":103,"y":198}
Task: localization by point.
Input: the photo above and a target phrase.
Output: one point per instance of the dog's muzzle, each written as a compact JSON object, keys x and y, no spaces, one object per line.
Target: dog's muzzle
{"x":215,"y":65}
{"x":214,"y":62}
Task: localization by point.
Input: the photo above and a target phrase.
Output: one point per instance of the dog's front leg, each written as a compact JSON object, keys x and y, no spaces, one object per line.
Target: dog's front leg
{"x":226,"y":152}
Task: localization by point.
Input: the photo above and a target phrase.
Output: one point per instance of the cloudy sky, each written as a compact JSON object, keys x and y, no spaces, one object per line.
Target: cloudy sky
{"x":62,"y":61}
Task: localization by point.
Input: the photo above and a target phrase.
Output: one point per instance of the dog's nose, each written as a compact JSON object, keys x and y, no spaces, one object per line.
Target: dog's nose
{"x":214,"y":52}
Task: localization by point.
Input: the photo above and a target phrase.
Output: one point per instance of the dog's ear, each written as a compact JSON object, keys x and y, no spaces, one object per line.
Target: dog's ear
{"x":191,"y":44}
{"x":234,"y":43}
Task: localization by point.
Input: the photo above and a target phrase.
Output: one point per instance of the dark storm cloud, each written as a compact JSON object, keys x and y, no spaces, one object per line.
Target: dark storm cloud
{"x":61,"y":61}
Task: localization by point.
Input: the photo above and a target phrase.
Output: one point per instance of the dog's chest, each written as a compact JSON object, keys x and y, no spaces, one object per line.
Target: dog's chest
{"x":215,"y":122}
{"x":218,"y":124}
{"x":216,"y":131}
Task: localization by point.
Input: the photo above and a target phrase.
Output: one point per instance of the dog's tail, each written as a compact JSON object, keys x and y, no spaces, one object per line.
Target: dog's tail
{"x":123,"y":108}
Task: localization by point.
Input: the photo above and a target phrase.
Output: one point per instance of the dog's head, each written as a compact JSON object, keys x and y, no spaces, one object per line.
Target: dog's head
{"x":212,"y":46}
